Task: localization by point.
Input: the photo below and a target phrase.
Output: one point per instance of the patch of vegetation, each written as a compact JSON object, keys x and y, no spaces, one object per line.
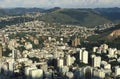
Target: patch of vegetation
{"x":14,"y":21}
{"x":102,"y":38}
{"x":34,"y":59}
{"x":7,"y":52}
{"x":74,"y":17}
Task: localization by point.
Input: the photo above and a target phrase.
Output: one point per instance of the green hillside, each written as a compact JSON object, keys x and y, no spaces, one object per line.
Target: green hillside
{"x":2,"y":12}
{"x":83,"y":16}
{"x":74,"y":16}
{"x":103,"y":37}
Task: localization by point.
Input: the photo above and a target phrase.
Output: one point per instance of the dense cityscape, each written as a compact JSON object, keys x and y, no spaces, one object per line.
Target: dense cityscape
{"x":59,"y":39}
{"x":40,"y":50}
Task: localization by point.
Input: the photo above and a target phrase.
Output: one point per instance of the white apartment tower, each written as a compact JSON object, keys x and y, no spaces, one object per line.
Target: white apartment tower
{"x":117,"y":71}
{"x":83,"y":56}
{"x":36,"y":74}
{"x":60,"y":62}
{"x":68,"y":60}
{"x":96,"y":60}
{"x":80,"y":54}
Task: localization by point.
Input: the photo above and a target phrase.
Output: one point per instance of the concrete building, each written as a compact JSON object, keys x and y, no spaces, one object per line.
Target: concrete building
{"x":95,"y":49}
{"x":117,"y":71}
{"x":36,"y":74}
{"x":28,"y":45}
{"x":96,"y":60}
{"x":111,"y":52}
{"x":104,"y":46}
{"x":12,"y":44}
{"x":105,"y":65}
{"x":99,"y":50}
{"x":0,"y":51}
{"x":60,"y":62}
{"x":85,"y":57}
{"x":68,"y":60}
{"x":86,"y":73}
{"x":98,"y":74}
{"x":80,"y":54}
{"x":69,"y":75}
{"x":14,"y":54}
{"x":11,"y":66}
{"x":5,"y":68}
{"x":75,"y":41}
{"x":27,"y":71}
{"x":65,"y":69}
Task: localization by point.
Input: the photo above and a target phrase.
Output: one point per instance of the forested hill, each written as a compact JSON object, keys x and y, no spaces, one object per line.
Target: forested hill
{"x":83,"y":17}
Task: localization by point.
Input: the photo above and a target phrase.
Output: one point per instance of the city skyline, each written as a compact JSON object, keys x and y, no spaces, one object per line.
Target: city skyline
{"x":59,"y":43}
{"x":59,"y":3}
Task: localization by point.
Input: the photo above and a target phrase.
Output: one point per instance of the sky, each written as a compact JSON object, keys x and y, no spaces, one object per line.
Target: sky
{"x":59,"y":3}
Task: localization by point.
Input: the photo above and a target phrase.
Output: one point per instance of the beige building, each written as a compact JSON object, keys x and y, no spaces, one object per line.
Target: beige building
{"x":75,"y":41}
{"x":0,"y":51}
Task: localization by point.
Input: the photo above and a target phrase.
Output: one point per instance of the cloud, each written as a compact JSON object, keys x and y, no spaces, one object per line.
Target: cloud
{"x":60,"y":3}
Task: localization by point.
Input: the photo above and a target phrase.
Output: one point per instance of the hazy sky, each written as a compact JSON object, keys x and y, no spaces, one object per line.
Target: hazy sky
{"x":59,"y":3}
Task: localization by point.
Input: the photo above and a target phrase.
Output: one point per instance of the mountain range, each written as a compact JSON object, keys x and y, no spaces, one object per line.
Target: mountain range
{"x":83,"y":17}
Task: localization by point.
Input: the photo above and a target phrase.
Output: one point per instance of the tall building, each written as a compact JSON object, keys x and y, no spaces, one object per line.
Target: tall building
{"x":75,"y":41}
{"x":65,"y":69}
{"x":117,"y":71}
{"x":98,"y":74}
{"x":27,"y":71}
{"x":95,"y":49}
{"x":12,"y":44}
{"x":104,"y":46}
{"x":83,"y":56}
{"x":96,"y":60}
{"x":0,"y":51}
{"x":105,"y":65}
{"x":86,"y":73}
{"x":36,"y":74}
{"x":5,"y":68}
{"x":14,"y":54}
{"x":60,"y":62}
{"x":68,"y":60}
{"x":11,"y":66}
{"x":112,"y":52}
{"x":80,"y":54}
